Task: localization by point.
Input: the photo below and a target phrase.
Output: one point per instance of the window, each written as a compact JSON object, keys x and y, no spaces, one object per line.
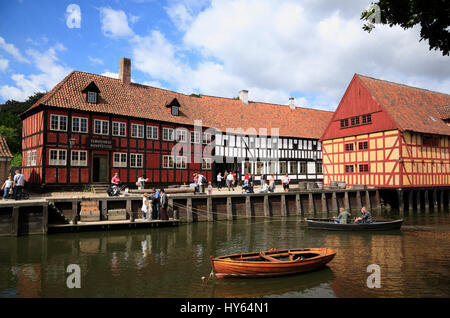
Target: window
{"x":119,"y":159}
{"x":366,"y":119}
{"x":344,"y":123}
{"x":101,"y":127}
{"x":135,"y":160}
{"x":167,"y":162}
{"x":119,"y":129}
{"x":293,"y":167}
{"x":137,"y":131}
{"x":362,"y":145}
{"x":207,"y":138}
{"x":31,"y":158}
{"x":181,"y":135}
{"x":302,"y":167}
{"x":58,"y":122}
{"x":58,"y":157}
{"x":196,"y":137}
{"x":364,"y":168}
{"x":349,"y":169}
{"x":430,"y":141}
{"x":355,"y":121}
{"x":168,"y":134}
{"x":319,"y":168}
{"x":206,"y":163}
{"x":152,"y":132}
{"x":78,"y":158}
{"x":91,"y":97}
{"x":283,"y":167}
{"x":79,"y":124}
{"x":348,"y":147}
{"x":175,"y":110}
{"x":181,"y":162}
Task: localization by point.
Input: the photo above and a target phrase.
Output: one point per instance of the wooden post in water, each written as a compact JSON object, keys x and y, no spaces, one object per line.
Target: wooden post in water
{"x":441,"y":200}
{"x":346,"y":202}
{"x":105,"y":209}
{"x":435,"y":201}
{"x":248,"y":206}
{"x":189,"y":215}
{"x":209,"y":211}
{"x":368,"y":203}
{"x":45,"y":218}
{"x":377,"y":200}
{"x":170,"y":209}
{"x":15,"y":221}
{"x":129,"y":211}
{"x":334,"y":203}
{"x":74,"y":212}
{"x":401,"y":203}
{"x":324,"y":203}
{"x":427,"y":202}
{"x":266,"y":206}
{"x":410,"y":201}
{"x":298,"y":204}
{"x":419,"y":201}
{"x":229,"y":209}
{"x":283,"y":205}
{"x":358,"y":200}
{"x":311,"y":205}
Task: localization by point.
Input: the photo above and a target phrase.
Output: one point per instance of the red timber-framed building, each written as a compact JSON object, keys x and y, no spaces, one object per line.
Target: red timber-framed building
{"x":388,"y":135}
{"x":91,"y":126}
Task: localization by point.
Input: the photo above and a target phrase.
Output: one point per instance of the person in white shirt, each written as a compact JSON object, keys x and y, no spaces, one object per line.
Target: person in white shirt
{"x":146,"y":207}
{"x":19,"y":182}
{"x":230,"y":181}
{"x":264,"y":188}
{"x":285,"y":181}
{"x":6,"y":187}
{"x":219,"y":180}
{"x":141,"y":182}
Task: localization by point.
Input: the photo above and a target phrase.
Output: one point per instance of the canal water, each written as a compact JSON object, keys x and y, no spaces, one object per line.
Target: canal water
{"x":171,"y":262}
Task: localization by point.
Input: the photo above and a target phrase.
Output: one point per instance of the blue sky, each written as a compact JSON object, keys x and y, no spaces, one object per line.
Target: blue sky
{"x":308,"y":49}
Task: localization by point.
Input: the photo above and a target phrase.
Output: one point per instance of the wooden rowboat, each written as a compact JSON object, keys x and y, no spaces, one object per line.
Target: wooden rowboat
{"x":376,"y":225}
{"x":271,"y":263}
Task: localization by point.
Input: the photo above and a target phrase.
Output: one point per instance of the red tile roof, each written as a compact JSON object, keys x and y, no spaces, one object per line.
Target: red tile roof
{"x":4,"y":149}
{"x":413,"y":109}
{"x":148,"y":102}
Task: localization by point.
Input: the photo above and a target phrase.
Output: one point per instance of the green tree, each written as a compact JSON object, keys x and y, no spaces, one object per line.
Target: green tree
{"x":433,"y":16}
{"x":12,"y":137}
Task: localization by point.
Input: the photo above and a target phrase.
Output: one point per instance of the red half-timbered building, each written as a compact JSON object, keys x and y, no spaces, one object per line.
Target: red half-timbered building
{"x":91,"y":126}
{"x":388,"y":135}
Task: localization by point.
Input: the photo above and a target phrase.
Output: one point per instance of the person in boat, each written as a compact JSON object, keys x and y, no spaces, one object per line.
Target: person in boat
{"x":365,"y":217}
{"x":342,"y":217}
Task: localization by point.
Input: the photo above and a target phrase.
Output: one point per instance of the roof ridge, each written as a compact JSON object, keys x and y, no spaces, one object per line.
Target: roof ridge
{"x":400,"y":84}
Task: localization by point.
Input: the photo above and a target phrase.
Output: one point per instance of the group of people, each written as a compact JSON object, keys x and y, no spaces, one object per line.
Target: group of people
{"x":344,"y":216}
{"x":267,"y":182}
{"x":154,"y":206}
{"x":200,"y":183}
{"x":228,"y":179}
{"x":13,"y":186}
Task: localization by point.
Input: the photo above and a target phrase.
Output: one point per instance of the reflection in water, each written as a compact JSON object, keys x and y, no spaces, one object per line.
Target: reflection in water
{"x":170,"y":262}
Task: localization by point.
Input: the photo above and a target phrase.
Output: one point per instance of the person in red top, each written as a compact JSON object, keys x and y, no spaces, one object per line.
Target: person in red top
{"x":115,"y":180}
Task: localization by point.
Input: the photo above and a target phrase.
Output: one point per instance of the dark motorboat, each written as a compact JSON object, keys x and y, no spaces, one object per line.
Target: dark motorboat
{"x":376,"y":225}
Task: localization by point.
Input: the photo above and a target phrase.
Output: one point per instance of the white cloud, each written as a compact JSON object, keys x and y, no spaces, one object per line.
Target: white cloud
{"x":114,"y":23}
{"x":95,"y":60}
{"x":11,"y":49}
{"x":51,"y":73}
{"x":180,"y":16}
{"x":3,"y":64}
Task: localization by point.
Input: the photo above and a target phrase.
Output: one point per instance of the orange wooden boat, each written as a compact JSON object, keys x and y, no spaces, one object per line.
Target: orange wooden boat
{"x":271,"y":263}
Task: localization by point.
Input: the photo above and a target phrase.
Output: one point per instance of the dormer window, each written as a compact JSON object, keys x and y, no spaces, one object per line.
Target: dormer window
{"x":92,"y":97}
{"x":91,"y":93}
{"x":174,"y":107}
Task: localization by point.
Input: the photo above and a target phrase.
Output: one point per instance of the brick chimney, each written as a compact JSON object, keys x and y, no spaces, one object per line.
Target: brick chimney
{"x":243,"y":96}
{"x":125,"y":70}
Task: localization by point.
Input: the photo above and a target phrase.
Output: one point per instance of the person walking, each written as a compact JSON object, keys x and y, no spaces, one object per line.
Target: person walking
{"x":164,"y":205}
{"x":219,"y":181}
{"x":146,"y":208}
{"x":230,"y":181}
{"x":18,"y":183}
{"x":195,"y":183}
{"x":156,"y":204}
{"x":6,"y":187}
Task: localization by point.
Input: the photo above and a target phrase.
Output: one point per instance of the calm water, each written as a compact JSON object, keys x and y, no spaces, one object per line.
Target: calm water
{"x":170,"y":262}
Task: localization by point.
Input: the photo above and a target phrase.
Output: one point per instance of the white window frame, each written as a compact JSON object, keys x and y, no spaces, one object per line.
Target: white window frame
{"x":181,"y":162}
{"x":59,"y":160}
{"x":135,"y":162}
{"x":207,"y":138}
{"x":168,"y":162}
{"x":118,"y":161}
{"x":78,"y":161}
{"x":181,"y":134}
{"x":206,"y":163}
{"x":102,"y":127}
{"x":92,"y":97}
{"x":168,"y":134}
{"x":152,"y":132}
{"x":58,"y":122}
{"x":80,"y":126}
{"x":121,"y":129}
{"x":31,"y":158}
{"x":196,"y":137}
{"x":137,"y":131}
